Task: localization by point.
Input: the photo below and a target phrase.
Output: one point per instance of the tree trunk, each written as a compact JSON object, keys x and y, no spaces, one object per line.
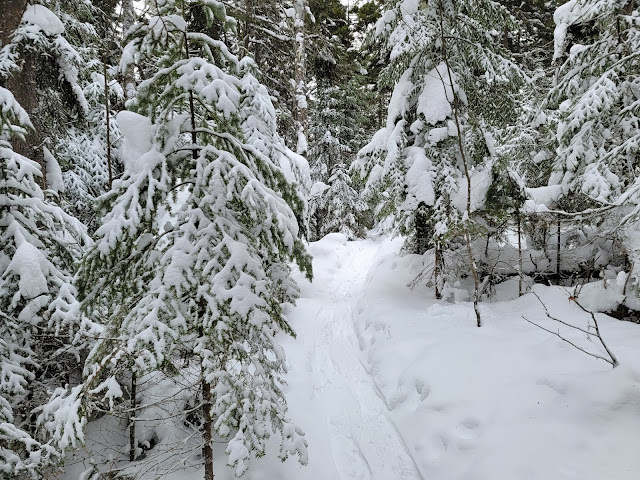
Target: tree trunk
{"x":436,"y":271}
{"x":519,"y":252}
{"x":108,"y":122}
{"x":455,"y":104}
{"x":207,"y":450}
{"x":300,"y":76}
{"x":12,"y":11}
{"x":558,"y":252}
{"x":128,"y":19}
{"x":132,"y":419}
{"x":23,"y":85}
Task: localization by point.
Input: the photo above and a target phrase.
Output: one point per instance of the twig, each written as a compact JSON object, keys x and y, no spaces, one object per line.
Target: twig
{"x":557,"y":334}
{"x":614,"y":360}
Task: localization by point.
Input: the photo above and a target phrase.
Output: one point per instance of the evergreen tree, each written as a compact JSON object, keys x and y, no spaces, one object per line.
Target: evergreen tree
{"x":194,"y":280}
{"x":450,"y":73}
{"x":447,"y":68}
{"x":337,"y":131}
{"x":38,"y":308}
{"x":87,"y":154}
{"x":40,"y":242}
{"x":596,"y":95}
{"x":593,"y":110}
{"x":266,"y":33}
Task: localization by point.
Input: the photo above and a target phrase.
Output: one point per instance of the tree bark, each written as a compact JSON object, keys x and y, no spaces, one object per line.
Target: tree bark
{"x":12,"y":11}
{"x":107,"y":109}
{"x":132,"y":419}
{"x":23,"y":85}
{"x":300,"y":75}
{"x":519,"y":220}
{"x":558,"y":252}
{"x":436,"y":271}
{"x":207,"y":450}
{"x":128,"y":19}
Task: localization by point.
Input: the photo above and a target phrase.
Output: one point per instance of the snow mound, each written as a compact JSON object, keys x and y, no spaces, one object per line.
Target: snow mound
{"x":137,"y":149}
{"x":481,"y":403}
{"x":419,"y":179}
{"x":437,"y":94}
{"x":480,"y":183}
{"x":45,"y":19}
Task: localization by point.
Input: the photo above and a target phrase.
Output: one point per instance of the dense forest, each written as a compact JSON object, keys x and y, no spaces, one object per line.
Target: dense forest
{"x":165,"y":165}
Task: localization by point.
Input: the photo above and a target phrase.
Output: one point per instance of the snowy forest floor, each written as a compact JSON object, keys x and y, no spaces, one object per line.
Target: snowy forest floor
{"x":389,"y":383}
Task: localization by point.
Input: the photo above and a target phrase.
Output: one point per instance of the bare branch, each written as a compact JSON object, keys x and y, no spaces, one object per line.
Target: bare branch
{"x":557,"y":334}
{"x":612,"y":360}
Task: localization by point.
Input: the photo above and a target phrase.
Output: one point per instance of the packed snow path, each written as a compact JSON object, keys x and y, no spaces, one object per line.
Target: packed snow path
{"x":360,"y":440}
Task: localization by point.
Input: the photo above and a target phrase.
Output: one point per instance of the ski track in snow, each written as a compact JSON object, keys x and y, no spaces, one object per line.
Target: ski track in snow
{"x":364,"y":442}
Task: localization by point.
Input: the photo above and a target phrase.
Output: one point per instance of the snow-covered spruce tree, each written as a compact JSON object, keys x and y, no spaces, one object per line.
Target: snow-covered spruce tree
{"x":189,"y":275}
{"x":259,"y":125}
{"x":333,"y":126}
{"x":39,"y":244}
{"x":595,"y":107}
{"x":342,"y":203}
{"x":449,"y":68}
{"x":84,"y":154}
{"x":596,"y":96}
{"x":266,"y":33}
{"x":87,"y":149}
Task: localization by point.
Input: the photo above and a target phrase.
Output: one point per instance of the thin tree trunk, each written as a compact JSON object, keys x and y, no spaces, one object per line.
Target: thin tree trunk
{"x":132,"y":419}
{"x":192,"y":110}
{"x":558,"y":253}
{"x":436,"y":271}
{"x":207,"y":450}
{"x":108,"y":121}
{"x":300,"y":76}
{"x":128,"y":19}
{"x":519,"y":220}
{"x":249,"y":17}
{"x":455,"y":104}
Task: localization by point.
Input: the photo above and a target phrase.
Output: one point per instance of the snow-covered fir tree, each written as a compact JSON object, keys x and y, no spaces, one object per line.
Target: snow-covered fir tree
{"x":84,"y":153}
{"x":340,"y":123}
{"x":200,"y":217}
{"x":38,"y":307}
{"x":341,"y":203}
{"x":329,"y":155}
{"x":428,"y":168}
{"x":39,"y":314}
{"x":593,"y":109}
{"x":447,"y":64}
{"x":596,"y":96}
{"x":266,"y":33}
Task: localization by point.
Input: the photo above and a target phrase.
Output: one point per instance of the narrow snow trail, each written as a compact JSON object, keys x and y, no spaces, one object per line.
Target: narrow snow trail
{"x":346,"y":420}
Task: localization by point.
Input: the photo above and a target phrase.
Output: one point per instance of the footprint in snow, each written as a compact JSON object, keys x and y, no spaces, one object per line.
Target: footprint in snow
{"x":468,"y":429}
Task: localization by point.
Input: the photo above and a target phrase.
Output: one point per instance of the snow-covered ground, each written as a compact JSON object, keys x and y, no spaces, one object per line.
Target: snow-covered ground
{"x":389,"y":383}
